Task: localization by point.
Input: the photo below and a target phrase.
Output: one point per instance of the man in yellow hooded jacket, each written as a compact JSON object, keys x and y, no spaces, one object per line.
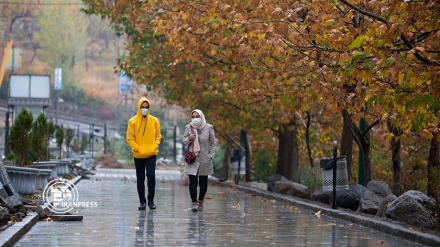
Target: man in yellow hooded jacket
{"x":143,"y":136}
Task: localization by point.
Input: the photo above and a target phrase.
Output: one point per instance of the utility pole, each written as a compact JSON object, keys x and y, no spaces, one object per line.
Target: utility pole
{"x":7,"y":133}
{"x":361,"y":168}
{"x":175,"y":136}
{"x":105,"y":138}
{"x":93,"y":139}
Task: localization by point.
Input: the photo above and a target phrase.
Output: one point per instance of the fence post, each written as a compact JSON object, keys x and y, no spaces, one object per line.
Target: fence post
{"x":335,"y":150}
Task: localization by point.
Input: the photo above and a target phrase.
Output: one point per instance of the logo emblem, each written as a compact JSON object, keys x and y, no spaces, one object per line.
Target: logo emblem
{"x":63,"y":195}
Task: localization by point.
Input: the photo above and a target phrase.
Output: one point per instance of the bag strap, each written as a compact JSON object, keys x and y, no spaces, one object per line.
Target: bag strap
{"x":192,"y":132}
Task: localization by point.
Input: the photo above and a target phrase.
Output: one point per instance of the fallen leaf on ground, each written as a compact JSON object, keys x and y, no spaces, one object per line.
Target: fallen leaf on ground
{"x":319,"y":213}
{"x":236,"y":206}
{"x":290,"y":208}
{"x":48,"y":219}
{"x":30,"y":203}
{"x":267,"y":200}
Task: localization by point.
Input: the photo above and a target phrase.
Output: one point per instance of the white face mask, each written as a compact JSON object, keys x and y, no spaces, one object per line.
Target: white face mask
{"x":196,"y":121}
{"x":144,"y":111}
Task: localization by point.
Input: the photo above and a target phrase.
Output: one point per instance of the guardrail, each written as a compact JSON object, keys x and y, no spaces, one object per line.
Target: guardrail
{"x":51,"y":114}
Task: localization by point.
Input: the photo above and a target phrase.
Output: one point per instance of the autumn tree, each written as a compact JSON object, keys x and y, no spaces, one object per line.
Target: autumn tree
{"x":230,"y":71}
{"x":271,"y":63}
{"x":9,"y":13}
{"x":390,"y":60}
{"x":62,"y":37}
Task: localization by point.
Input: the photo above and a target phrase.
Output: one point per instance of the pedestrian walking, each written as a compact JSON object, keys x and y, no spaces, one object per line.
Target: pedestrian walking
{"x":200,"y":138}
{"x":143,"y":136}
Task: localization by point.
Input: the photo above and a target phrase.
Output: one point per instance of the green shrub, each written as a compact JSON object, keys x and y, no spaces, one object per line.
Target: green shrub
{"x":264,"y":165}
{"x":305,"y":177}
{"x":19,"y":140}
{"x":40,"y":137}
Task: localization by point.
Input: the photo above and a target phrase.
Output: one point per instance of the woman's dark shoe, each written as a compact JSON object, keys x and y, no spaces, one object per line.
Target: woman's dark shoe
{"x":142,"y":206}
{"x":195,"y":207}
{"x":151,"y":205}
{"x":200,"y":207}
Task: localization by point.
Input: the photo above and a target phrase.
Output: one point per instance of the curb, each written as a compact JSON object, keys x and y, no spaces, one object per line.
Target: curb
{"x":388,"y":226}
{"x":14,"y":233}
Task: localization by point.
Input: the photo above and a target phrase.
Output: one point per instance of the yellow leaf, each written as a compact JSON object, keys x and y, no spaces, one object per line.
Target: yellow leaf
{"x":236,"y":206}
{"x":400,"y":78}
{"x":419,"y":48}
{"x":276,"y":10}
{"x":261,"y":36}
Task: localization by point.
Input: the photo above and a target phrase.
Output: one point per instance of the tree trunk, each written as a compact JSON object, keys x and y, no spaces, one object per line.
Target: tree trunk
{"x":248,"y":153}
{"x":288,"y":160}
{"x":363,"y":141}
{"x":347,"y":145}
{"x":395,"y":153}
{"x":225,"y":172}
{"x":309,"y":151}
{"x":434,"y":168}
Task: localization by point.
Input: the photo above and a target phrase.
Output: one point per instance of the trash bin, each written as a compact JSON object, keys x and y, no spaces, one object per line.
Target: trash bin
{"x":238,"y":164}
{"x":341,"y":173}
{"x":234,"y":165}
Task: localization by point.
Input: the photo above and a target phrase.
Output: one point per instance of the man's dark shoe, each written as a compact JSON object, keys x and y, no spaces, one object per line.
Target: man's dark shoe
{"x":151,"y":205}
{"x":142,"y":206}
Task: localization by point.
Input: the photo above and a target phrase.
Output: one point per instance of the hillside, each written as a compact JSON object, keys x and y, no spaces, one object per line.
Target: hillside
{"x":91,"y":69}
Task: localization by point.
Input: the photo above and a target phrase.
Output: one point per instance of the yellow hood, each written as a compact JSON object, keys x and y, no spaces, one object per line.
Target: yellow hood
{"x":143,"y":133}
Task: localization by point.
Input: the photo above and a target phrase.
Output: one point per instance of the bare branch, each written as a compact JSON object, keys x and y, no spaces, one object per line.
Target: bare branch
{"x":364,"y":12}
{"x":417,"y":54}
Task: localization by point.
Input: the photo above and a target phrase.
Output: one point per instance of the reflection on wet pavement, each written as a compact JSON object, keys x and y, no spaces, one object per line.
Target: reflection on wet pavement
{"x":230,"y":218}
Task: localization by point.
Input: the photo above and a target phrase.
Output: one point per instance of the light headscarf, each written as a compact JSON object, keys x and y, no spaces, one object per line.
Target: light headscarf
{"x":196,"y":146}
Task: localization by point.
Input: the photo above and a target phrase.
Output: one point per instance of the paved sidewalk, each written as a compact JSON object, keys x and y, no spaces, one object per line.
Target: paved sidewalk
{"x":231,"y":217}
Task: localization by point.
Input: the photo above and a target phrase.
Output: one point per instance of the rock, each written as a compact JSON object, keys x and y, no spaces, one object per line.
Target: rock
{"x":344,"y":198}
{"x":384,"y":204}
{"x":373,"y":197}
{"x":349,"y":198}
{"x":17,"y":217}
{"x":272,"y":179}
{"x":321,"y":196}
{"x":20,"y":215}
{"x":37,"y":209}
{"x":292,"y":188}
{"x":4,"y":216}
{"x":8,"y":194}
{"x":414,"y":208}
{"x":257,"y":185}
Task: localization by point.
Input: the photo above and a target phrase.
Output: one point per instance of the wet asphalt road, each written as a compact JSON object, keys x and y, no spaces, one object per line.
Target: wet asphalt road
{"x":230,"y":218}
